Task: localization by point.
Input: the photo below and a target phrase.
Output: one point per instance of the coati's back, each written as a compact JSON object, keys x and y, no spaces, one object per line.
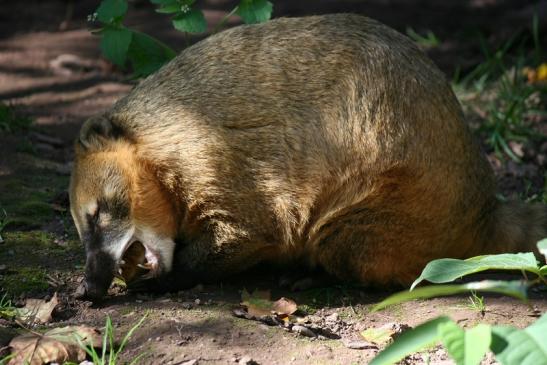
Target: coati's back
{"x":331,"y":137}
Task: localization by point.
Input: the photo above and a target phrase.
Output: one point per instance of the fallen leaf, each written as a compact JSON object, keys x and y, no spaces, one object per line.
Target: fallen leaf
{"x":38,"y":311}
{"x":258,"y":304}
{"x":284,"y":307}
{"x":58,"y":345}
{"x":385,"y":334}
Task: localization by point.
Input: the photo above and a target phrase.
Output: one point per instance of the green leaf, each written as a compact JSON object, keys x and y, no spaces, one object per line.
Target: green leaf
{"x":169,"y":8}
{"x":543,"y":271}
{"x":115,"y":43}
{"x":254,"y":11}
{"x":410,"y":341}
{"x":446,"y":270}
{"x":111,"y":9}
{"x":192,"y":21}
{"x":465,"y":347}
{"x":515,"y":288}
{"x":542,"y":247}
{"x":521,"y":347}
{"x":147,"y":54}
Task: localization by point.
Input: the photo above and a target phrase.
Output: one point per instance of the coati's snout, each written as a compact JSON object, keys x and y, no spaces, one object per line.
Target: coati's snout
{"x":106,"y":196}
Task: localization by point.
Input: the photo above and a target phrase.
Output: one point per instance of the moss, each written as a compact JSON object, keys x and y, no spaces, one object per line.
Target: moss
{"x":25,"y":280}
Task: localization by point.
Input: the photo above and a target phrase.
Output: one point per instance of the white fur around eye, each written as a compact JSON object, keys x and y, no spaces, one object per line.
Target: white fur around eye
{"x":91,"y":208}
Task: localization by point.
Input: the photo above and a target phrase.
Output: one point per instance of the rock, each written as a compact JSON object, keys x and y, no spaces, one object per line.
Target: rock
{"x":333,"y":317}
{"x":360,"y":345}
{"x":303,"y":330}
{"x":189,"y":362}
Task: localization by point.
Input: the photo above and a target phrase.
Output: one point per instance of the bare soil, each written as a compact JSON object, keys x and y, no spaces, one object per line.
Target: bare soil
{"x":41,"y":254}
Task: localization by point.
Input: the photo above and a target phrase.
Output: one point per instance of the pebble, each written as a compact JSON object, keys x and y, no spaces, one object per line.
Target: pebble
{"x":190,"y":362}
{"x":360,"y":345}
{"x":303,"y":330}
{"x":333,"y":317}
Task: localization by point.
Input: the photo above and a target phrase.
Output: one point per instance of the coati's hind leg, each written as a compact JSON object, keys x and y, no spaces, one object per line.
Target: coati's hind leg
{"x":377,"y":248}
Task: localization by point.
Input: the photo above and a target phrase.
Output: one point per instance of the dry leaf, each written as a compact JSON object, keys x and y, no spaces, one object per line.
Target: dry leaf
{"x":38,"y":311}
{"x":284,"y":307}
{"x":58,"y":345}
{"x":258,"y":304}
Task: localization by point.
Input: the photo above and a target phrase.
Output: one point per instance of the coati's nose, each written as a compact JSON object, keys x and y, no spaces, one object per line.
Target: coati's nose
{"x":99,"y":273}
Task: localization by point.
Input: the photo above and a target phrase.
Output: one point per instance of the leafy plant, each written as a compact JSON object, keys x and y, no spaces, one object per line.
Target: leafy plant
{"x":504,"y":96}
{"x":146,"y":54}
{"x":10,"y":121}
{"x":476,"y":302}
{"x":468,"y":346}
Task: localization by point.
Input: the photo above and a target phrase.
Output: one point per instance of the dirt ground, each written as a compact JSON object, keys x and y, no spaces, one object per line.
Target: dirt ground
{"x":41,"y":255}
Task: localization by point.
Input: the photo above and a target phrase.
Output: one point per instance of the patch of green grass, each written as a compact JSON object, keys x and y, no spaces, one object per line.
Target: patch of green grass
{"x":429,"y":40}
{"x":499,"y":92}
{"x":109,"y":352}
{"x":7,"y":310}
{"x":25,"y":280}
{"x":10,"y":121}
{"x":476,"y":302}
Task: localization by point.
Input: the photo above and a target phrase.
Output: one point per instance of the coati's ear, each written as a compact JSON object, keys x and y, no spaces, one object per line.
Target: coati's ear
{"x":96,"y":132}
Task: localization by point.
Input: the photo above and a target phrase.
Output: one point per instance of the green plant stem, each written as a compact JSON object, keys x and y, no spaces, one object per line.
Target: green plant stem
{"x":224,"y":20}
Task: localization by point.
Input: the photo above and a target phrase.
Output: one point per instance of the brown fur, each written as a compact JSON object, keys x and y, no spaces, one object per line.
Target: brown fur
{"x":331,"y":139}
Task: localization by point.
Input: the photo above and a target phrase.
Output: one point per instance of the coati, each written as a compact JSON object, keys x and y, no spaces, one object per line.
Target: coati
{"x":332,"y":139}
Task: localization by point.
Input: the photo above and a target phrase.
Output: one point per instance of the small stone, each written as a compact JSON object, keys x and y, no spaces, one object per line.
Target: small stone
{"x":303,"y":330}
{"x":86,"y":362}
{"x":187,"y":305}
{"x":197,"y":301}
{"x":359,"y":345}
{"x":190,"y":362}
{"x":333,"y":317}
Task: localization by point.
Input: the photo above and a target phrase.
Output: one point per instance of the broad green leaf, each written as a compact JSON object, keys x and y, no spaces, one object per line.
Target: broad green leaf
{"x":410,"y":341}
{"x":115,"y":43}
{"x":514,"y":288}
{"x":465,"y":347}
{"x":192,"y":21}
{"x":147,"y":54}
{"x":542,"y":247}
{"x":447,"y":270}
{"x":169,"y":8}
{"x":254,"y":11}
{"x":111,"y":9}
{"x":543,"y":271}
{"x":521,"y":347}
